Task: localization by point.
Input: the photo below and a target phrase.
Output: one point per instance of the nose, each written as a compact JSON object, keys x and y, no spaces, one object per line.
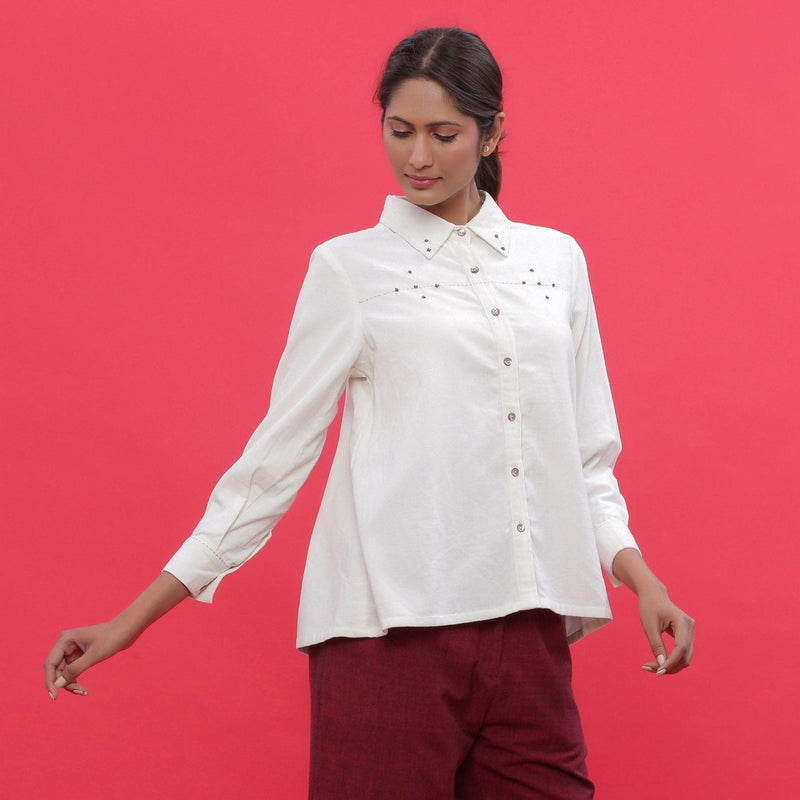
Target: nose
{"x":421,"y":154}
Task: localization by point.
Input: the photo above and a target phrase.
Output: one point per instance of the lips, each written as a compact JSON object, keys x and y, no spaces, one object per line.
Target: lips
{"x":421,"y":182}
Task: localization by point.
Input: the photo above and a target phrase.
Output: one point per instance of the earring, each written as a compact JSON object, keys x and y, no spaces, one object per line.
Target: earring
{"x":486,"y":148}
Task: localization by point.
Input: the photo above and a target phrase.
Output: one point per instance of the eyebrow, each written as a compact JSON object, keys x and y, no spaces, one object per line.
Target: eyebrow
{"x":429,"y":125}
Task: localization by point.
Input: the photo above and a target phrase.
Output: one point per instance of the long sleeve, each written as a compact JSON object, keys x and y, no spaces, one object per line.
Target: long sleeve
{"x":597,"y":425}
{"x":473,"y":476}
{"x":323,"y":346}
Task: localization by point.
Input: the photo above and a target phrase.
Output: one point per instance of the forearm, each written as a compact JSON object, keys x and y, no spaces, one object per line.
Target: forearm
{"x":162,"y":595}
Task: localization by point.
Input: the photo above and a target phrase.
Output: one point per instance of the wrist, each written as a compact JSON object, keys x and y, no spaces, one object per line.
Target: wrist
{"x":650,"y":588}
{"x":127,"y":629}
{"x":631,"y":569}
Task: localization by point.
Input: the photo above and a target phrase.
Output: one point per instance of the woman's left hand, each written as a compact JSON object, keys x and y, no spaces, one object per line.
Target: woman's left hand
{"x":660,"y":615}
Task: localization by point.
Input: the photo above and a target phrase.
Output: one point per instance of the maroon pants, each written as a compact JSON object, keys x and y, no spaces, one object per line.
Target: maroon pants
{"x":480,"y":711}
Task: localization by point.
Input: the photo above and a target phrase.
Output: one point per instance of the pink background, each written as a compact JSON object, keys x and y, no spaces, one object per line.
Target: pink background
{"x":167,"y":168}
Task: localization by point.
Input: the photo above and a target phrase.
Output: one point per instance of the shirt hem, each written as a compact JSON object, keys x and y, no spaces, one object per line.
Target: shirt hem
{"x":589,"y":618}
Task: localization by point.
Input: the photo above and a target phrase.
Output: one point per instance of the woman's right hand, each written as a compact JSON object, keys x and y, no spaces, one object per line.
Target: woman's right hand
{"x":80,"y":648}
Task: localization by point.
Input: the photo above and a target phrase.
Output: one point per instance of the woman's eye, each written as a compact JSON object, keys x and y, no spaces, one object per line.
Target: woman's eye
{"x":445,"y":138}
{"x":400,"y":134}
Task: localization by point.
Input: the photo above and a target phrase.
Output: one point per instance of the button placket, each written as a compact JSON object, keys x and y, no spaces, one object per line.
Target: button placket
{"x":518,"y":521}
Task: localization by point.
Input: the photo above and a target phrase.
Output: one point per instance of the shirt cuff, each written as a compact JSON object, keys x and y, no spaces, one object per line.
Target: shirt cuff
{"x":613,"y":535}
{"x":198,"y":568}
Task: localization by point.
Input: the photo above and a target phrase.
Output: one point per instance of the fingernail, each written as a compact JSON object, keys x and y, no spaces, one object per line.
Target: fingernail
{"x":661,"y":659}
{"x":80,"y":691}
{"x":61,"y":682}
{"x":52,"y":694}
{"x":662,"y":671}
{"x":648,"y":668}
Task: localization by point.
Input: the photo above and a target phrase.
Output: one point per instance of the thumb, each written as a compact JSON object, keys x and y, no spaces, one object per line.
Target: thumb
{"x":67,"y":677}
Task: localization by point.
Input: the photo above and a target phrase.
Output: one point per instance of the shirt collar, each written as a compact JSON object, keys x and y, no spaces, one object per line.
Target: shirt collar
{"x":427,"y":233}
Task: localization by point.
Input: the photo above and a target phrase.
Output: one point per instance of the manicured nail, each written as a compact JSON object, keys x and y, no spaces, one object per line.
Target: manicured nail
{"x":662,"y":671}
{"x":61,"y":682}
{"x":661,"y":659}
{"x":648,"y":668}
{"x":80,"y":691}
{"x":52,"y":694}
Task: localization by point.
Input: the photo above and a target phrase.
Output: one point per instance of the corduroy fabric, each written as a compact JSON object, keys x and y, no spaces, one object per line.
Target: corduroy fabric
{"x":474,"y":472}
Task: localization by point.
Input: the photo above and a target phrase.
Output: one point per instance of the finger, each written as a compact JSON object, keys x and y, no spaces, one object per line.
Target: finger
{"x":656,"y":666}
{"x":74,"y":661}
{"x":54,"y":665}
{"x":653,"y":633}
{"x":50,"y":679}
{"x":681,"y":655}
{"x":75,"y":688}
{"x":67,"y":675}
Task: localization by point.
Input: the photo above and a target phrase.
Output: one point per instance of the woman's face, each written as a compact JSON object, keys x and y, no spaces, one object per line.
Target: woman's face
{"x":434,"y":149}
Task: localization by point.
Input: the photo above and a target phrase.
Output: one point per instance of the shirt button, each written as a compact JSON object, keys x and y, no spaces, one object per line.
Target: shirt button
{"x":507,"y":361}
{"x":462,"y":231}
{"x":511,"y":416}
{"x":514,"y":471}
{"x":495,"y":312}
{"x":520,"y":527}
{"x":473,"y":270}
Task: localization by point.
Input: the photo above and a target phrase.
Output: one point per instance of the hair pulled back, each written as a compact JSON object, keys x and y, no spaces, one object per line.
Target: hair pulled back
{"x":464,"y":67}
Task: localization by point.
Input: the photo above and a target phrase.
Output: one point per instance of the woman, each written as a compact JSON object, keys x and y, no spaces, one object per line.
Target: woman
{"x":471,"y":502}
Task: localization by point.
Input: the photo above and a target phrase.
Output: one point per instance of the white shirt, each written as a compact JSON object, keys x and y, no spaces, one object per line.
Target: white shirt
{"x":473,"y":475}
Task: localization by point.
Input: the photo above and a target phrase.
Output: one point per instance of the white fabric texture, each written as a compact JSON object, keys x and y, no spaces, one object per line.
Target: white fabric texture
{"x":474,"y":471}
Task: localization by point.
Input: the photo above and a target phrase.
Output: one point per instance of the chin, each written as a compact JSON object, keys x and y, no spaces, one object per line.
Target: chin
{"x":421,"y":197}
{"x":421,"y":201}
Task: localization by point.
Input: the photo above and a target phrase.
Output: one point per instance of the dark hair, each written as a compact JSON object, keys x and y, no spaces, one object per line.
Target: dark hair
{"x":464,"y":67}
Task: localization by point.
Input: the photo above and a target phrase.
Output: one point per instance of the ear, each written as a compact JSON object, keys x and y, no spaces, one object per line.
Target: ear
{"x":495,"y":134}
